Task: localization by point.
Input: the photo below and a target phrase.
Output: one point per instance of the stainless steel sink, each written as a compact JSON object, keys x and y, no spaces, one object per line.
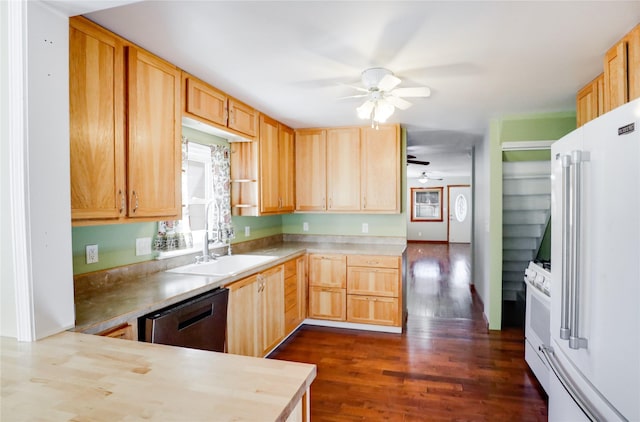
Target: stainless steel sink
{"x":224,"y":265}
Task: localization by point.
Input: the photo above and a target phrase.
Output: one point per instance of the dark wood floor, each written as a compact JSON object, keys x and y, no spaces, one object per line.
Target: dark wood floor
{"x":446,"y":366}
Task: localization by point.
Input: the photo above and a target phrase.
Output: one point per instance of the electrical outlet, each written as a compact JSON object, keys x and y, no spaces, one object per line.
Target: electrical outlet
{"x":247,"y":231}
{"x":91,"y":254}
{"x":143,"y":246}
{"x":365,"y":227}
{"x":419,"y":234}
{"x":305,"y":226}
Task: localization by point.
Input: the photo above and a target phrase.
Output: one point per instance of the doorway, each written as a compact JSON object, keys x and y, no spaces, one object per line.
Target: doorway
{"x":459,"y":228}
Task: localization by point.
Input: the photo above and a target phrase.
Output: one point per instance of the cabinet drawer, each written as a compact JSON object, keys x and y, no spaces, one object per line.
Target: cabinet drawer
{"x":378,"y":261}
{"x":373,"y":281}
{"x":372,"y":310}
{"x":328,"y":270}
{"x":290,"y":268}
{"x":327,"y":303}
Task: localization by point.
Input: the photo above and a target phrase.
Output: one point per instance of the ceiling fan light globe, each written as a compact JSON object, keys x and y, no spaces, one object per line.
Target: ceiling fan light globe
{"x":364,"y":111}
{"x":383,"y":111}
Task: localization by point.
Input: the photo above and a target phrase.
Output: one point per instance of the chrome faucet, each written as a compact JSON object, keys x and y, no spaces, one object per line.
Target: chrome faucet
{"x":206,"y":256}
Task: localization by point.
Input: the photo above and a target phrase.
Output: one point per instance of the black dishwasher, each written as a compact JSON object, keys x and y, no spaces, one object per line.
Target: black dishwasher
{"x":198,"y":323}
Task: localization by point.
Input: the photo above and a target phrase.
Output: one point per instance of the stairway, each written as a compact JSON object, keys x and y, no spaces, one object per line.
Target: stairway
{"x":526,"y":207}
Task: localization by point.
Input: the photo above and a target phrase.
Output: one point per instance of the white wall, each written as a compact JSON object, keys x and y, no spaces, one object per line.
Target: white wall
{"x":481,"y":224}
{"x":7,"y":285}
{"x":431,"y":230}
{"x":44,"y":279}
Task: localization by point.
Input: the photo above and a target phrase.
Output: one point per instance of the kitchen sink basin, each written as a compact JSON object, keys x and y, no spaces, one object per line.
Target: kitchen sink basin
{"x":224,"y":265}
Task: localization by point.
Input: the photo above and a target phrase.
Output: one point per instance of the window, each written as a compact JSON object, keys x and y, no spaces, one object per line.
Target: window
{"x":426,"y":204}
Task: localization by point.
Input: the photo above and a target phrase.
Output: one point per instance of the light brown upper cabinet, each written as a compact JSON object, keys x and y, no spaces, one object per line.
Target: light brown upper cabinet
{"x":590,"y":101}
{"x":349,"y":169}
{"x":209,"y":105}
{"x":633,"y":62}
{"x":380,"y":169}
{"x":622,"y":71}
{"x":276,"y":167}
{"x":125,"y":160}
{"x":311,"y":169}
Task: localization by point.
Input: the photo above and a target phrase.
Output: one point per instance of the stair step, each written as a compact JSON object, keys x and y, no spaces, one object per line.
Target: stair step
{"x":526,"y":202}
{"x":519,"y":168}
{"x":520,"y":243}
{"x":536,"y":186}
{"x":518,"y":255}
{"x":525,"y":217}
{"x":518,"y":266}
{"x":515,"y":276}
{"x":526,"y":230}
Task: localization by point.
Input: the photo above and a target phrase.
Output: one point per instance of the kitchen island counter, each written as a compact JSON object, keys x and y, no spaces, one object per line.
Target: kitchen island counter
{"x":74,"y":376}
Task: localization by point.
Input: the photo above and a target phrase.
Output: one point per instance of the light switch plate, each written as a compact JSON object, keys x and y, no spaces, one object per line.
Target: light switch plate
{"x":305,"y":226}
{"x":365,"y":227}
{"x":91,"y":254}
{"x":143,"y":246}
{"x":247,"y":231}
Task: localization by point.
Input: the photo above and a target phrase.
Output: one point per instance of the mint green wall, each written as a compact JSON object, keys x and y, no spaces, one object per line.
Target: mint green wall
{"x":346,"y":224}
{"x":531,"y":127}
{"x":116,"y":245}
{"x":541,"y":155}
{"x":259,"y":227}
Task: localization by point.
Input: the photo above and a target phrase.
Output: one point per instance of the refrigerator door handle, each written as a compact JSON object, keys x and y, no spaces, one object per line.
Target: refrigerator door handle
{"x":575,"y":341}
{"x":565,"y":329}
{"x":570,"y":386}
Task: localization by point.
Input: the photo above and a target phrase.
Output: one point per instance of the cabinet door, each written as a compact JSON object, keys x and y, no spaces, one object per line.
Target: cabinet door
{"x":381,"y":169}
{"x":588,"y":101}
{"x":204,"y":101}
{"x":303,"y":297}
{"x":373,"y":310}
{"x":328,"y":270}
{"x":269,"y":166}
{"x":154,"y":152}
{"x":272,"y":297}
{"x":287,"y":186}
{"x":242,"y":118}
{"x":295,"y":293}
{"x":343,"y":169}
{"x":243,"y":318}
{"x":96,"y":107}
{"x":615,"y":76}
{"x":327,"y":303}
{"x":633,"y":62}
{"x":311,"y":159}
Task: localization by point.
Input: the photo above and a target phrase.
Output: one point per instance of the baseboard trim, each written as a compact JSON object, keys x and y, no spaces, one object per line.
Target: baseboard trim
{"x":437,"y":242}
{"x":353,"y":326}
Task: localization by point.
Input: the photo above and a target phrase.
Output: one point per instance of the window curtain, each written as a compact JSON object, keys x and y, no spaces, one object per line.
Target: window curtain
{"x":176,"y":234}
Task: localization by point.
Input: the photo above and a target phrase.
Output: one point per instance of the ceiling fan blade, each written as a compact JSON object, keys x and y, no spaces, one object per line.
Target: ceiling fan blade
{"x":388,"y":82}
{"x":419,"y":91}
{"x":353,"y":96}
{"x":398,"y":102}
{"x":422,"y":163}
{"x":357,"y":88}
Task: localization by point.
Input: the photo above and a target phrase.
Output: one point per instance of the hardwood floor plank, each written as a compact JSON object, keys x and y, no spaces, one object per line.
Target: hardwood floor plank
{"x":446,"y":366}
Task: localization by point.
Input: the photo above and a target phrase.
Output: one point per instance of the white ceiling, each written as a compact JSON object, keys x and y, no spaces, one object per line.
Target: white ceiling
{"x":481,"y":59}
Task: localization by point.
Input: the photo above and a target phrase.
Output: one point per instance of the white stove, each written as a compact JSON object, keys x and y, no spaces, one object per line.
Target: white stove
{"x":537,"y":319}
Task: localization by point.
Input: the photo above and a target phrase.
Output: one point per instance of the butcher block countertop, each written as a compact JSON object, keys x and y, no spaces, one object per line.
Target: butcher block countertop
{"x":74,"y":376}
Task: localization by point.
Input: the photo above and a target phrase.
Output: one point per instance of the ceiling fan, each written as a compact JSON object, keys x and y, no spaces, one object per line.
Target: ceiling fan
{"x":424,"y":177}
{"x":411,"y":159}
{"x":383,"y":96}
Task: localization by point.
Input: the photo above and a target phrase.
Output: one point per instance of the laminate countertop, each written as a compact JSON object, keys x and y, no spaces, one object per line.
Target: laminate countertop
{"x":111,"y":303}
{"x":75,"y":376}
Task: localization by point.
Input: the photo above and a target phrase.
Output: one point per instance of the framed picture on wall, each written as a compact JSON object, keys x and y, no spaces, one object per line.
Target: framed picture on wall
{"x":426,"y":204}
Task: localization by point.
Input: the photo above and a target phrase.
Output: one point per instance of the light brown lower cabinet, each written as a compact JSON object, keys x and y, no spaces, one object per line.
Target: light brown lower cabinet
{"x":372,"y":310}
{"x":295,"y":293}
{"x":327,"y":303}
{"x":255,"y":316}
{"x":126,"y":331}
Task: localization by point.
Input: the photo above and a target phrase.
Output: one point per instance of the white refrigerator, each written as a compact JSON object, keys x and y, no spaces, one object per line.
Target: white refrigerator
{"x":595,"y":264}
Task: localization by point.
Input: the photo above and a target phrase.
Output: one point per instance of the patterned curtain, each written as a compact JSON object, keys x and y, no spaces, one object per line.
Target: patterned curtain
{"x":220,"y":212}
